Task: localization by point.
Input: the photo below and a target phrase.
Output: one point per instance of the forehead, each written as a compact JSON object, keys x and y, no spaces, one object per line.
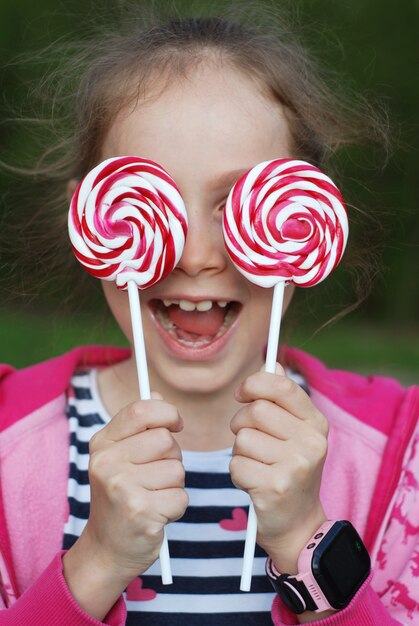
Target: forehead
{"x":215,"y":118}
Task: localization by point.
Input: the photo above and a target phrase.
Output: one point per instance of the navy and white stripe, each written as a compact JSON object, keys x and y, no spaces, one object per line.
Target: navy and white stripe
{"x":206,"y":545}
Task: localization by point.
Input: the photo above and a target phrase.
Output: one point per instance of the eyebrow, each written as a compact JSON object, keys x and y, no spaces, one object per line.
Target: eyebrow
{"x":228,"y":179}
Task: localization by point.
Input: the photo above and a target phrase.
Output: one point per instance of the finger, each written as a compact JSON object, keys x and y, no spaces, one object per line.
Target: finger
{"x":151,"y":445}
{"x":165,"y":474}
{"x":170,"y":503}
{"x":300,"y":453}
{"x":267,"y":417}
{"x":136,"y":418}
{"x":281,"y":390}
{"x":253,"y":444}
{"x":278,"y":369}
{"x":248,"y":474}
{"x":128,"y":495}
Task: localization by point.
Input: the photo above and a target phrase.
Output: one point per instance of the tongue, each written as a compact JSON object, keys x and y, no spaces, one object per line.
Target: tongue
{"x":197,"y":322}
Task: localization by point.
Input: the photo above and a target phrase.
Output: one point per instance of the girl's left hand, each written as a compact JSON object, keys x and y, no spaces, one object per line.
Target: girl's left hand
{"x":278,"y":458}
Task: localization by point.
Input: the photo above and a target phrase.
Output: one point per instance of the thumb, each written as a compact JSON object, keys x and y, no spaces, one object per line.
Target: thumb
{"x":278,"y":369}
{"x":155,"y":395}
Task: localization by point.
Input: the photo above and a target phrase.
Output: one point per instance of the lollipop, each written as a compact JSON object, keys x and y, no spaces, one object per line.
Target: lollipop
{"x":127,"y":223}
{"x":284,"y":222}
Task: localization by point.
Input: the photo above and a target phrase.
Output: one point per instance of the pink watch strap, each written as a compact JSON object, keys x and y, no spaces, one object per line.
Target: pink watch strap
{"x":305,"y":574}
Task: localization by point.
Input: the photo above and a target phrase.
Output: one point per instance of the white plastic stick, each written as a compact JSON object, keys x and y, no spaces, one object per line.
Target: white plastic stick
{"x":270,"y":363}
{"x":139,"y":345}
{"x":274,"y":327}
{"x":144,"y":384}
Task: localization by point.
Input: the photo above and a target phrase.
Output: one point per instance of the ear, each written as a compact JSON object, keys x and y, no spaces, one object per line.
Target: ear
{"x":71,"y":188}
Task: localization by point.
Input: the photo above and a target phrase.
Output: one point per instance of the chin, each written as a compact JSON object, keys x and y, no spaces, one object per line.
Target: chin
{"x":194,"y":378}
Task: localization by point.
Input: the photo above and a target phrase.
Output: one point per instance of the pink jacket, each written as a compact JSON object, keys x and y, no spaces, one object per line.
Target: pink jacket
{"x":370,"y":477}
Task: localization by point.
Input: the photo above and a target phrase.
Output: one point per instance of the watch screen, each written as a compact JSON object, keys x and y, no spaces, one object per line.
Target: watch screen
{"x":344,"y":564}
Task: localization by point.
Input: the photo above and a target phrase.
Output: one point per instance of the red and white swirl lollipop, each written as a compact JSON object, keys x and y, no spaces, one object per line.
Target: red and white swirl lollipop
{"x":284,"y":222}
{"x":127,"y":222}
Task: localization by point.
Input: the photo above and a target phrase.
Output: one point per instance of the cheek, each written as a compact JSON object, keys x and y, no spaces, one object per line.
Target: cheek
{"x":119,"y":305}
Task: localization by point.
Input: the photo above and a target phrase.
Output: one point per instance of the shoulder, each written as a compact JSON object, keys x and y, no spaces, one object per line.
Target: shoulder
{"x":378,"y":401}
{"x":24,"y":391}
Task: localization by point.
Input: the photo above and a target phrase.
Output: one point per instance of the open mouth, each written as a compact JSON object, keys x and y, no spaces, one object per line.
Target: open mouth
{"x":195,"y":324}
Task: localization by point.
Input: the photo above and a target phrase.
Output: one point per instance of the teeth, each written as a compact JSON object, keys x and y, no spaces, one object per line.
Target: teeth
{"x":204,"y":305}
{"x":187,"y":305}
{"x":164,"y":320}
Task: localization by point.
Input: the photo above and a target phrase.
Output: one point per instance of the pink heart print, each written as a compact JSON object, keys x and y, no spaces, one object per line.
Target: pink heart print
{"x":238,"y":521}
{"x":136,"y":592}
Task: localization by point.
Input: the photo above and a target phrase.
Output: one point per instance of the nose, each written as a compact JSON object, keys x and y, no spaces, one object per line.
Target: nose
{"x":204,"y":249}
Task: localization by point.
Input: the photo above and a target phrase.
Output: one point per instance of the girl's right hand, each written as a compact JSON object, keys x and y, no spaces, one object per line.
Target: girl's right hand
{"x":137,"y":486}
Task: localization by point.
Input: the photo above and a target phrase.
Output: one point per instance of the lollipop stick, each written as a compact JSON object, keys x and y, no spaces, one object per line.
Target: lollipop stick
{"x":274,"y":327}
{"x":271,"y":355}
{"x":139,"y":345}
{"x":144,"y":384}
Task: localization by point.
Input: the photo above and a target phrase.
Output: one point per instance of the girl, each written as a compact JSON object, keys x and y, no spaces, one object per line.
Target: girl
{"x":91,"y":475}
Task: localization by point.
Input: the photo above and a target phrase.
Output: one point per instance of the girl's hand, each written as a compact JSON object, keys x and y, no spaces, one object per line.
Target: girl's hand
{"x":137,"y":486}
{"x":278,"y":458}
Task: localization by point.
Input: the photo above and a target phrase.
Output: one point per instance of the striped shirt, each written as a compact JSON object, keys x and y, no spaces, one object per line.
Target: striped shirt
{"x":206,"y":544}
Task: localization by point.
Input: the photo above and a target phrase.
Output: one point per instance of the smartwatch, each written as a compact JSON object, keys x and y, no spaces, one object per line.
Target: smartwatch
{"x":332,"y":566}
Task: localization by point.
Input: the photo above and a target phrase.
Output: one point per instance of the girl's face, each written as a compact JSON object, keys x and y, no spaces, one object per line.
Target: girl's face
{"x":205,"y":325}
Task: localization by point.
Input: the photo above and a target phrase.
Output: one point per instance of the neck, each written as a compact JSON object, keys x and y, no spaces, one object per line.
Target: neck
{"x":206,"y":416}
{"x":207,"y":419}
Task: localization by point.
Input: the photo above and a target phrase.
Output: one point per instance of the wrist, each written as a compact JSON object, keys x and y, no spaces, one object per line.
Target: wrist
{"x":332,"y":567}
{"x":93,"y":580}
{"x":284,"y":551}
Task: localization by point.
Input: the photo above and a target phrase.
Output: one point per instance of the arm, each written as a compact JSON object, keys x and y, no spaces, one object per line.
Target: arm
{"x":366,"y":609}
{"x":278,"y":458}
{"x":136,"y":478}
{"x":137,"y":486}
{"x":49,"y":601}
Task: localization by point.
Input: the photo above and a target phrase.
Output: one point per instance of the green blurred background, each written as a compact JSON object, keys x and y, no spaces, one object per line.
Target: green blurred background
{"x":374,"y":45}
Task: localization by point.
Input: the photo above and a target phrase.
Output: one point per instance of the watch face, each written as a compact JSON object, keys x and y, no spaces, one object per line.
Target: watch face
{"x":341,"y":564}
